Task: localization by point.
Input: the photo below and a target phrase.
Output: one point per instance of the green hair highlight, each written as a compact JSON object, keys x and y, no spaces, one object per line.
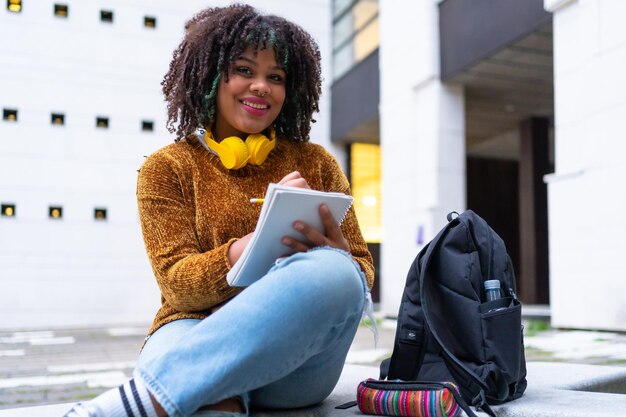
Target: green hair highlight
{"x":208,"y":102}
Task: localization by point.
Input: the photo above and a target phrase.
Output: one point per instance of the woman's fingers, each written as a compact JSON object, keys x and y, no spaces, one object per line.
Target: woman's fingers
{"x":295,"y":244}
{"x":333,"y":231}
{"x":294,"y":179}
{"x":316,"y":238}
{"x":290,"y":176}
{"x":312,"y":238}
{"x":333,"y":235}
{"x":298,"y":182}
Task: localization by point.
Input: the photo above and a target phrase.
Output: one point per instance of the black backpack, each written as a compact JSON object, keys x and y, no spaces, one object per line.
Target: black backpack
{"x":446,"y":331}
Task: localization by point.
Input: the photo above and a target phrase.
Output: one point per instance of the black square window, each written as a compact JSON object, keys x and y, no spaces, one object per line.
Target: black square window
{"x":147,"y":126}
{"x":57,"y":119}
{"x":102,"y":122}
{"x":106,"y":16}
{"x":100,"y":214}
{"x":61,"y":10}
{"x":10,"y":115}
{"x":55,"y":212}
{"x":7,"y":210}
{"x":149,"y":22}
{"x":14,"y":6}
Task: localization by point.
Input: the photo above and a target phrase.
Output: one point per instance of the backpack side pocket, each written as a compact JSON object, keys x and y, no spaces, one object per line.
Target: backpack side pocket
{"x":502,"y":336}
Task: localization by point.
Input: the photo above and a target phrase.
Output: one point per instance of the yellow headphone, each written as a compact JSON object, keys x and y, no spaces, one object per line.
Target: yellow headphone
{"x":235,"y":153}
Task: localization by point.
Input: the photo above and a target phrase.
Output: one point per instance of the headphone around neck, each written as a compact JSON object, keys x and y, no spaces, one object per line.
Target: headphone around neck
{"x":235,"y":153}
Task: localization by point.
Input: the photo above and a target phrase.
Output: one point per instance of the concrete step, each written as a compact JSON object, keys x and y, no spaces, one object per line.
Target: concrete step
{"x":554,"y":390}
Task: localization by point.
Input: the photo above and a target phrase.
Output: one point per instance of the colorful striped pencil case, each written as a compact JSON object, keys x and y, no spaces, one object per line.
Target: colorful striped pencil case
{"x":410,"y":399}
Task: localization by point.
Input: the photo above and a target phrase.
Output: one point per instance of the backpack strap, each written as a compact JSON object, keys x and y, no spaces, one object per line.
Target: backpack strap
{"x":459,"y":399}
{"x":384,"y":368}
{"x":410,"y":342}
{"x":407,"y":356}
{"x":470,"y":384}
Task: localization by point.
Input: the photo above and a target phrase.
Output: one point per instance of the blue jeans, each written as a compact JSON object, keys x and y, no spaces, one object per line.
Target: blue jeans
{"x":281,"y":343}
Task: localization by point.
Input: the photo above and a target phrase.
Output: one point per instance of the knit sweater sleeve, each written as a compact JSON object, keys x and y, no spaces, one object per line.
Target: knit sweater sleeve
{"x":335,"y":180}
{"x":190,"y":280}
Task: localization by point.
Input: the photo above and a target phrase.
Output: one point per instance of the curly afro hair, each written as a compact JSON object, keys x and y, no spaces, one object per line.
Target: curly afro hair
{"x":213,"y":40}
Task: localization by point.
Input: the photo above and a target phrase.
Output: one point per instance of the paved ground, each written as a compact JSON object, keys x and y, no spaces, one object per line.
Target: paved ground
{"x":47,"y":367}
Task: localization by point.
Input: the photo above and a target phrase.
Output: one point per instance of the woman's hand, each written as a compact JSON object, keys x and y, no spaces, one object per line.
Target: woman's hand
{"x":236,"y":249}
{"x":333,"y":235}
{"x":294,"y":179}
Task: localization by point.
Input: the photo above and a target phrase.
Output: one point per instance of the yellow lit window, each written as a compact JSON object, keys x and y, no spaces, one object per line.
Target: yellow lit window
{"x":102,"y":122}
{"x":14,"y":6}
{"x":57,"y":119}
{"x":61,"y":10}
{"x":355,"y":33}
{"x":365,"y":175}
{"x":367,"y":40}
{"x":7,"y":210}
{"x":149,"y":22}
{"x":100,"y":214}
{"x":9,"y":115}
{"x":55,"y":212}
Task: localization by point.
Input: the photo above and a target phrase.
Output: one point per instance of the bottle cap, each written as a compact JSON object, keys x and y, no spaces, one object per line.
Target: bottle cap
{"x":492,"y":284}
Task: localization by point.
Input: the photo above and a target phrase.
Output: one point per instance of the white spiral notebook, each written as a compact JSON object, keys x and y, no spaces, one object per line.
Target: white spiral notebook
{"x":282,"y":206}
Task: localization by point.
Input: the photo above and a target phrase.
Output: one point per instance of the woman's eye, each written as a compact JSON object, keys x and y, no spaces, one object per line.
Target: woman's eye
{"x":276,"y":78}
{"x":243,"y":70}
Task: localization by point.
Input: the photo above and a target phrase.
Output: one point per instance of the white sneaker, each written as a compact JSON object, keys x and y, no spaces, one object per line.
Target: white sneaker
{"x":80,"y":410}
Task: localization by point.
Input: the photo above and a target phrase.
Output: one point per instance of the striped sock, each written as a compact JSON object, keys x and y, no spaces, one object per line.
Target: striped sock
{"x":129,"y":400}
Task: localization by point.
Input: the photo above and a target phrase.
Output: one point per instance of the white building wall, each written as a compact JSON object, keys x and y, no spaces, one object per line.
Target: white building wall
{"x":422,"y":137}
{"x":586,"y":192}
{"x":77,"y":271}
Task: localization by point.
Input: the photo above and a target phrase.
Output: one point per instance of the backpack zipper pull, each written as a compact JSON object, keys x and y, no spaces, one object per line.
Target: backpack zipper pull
{"x":513,"y":294}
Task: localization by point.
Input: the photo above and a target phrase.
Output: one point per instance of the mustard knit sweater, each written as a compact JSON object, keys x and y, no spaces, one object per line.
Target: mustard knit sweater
{"x":192,"y":209}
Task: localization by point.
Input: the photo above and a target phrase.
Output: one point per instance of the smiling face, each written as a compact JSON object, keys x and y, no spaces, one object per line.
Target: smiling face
{"x":253,"y":96}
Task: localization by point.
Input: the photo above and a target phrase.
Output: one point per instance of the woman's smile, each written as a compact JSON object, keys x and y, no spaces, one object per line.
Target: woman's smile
{"x":255,"y":105}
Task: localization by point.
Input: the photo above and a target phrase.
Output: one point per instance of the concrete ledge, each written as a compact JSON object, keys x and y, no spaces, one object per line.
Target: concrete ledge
{"x":536,"y":311}
{"x":344,"y":392}
{"x":563,"y":390}
{"x":554,"y":390}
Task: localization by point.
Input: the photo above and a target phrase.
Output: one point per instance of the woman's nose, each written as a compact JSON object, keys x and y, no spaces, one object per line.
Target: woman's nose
{"x":260,"y":87}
